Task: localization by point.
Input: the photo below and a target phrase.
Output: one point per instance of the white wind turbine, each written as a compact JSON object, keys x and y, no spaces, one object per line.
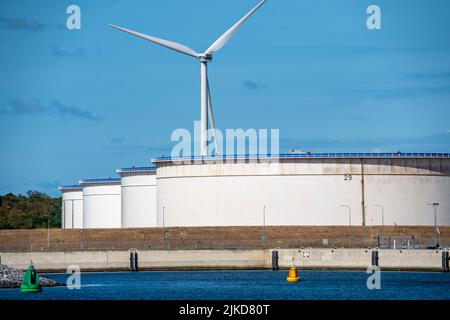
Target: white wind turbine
{"x":204,"y":58}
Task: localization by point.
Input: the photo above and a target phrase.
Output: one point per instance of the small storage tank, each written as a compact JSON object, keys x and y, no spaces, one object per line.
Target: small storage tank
{"x":138,"y":197}
{"x":101,"y":203}
{"x":72,"y":206}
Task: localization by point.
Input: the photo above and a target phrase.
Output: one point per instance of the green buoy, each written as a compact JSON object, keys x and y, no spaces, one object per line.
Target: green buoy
{"x":31,"y":281}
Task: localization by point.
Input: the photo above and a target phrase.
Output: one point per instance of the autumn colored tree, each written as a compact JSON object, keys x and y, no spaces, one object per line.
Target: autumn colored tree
{"x":30,"y":211}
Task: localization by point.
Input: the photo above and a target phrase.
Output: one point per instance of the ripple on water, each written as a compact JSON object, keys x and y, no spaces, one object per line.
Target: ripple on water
{"x":242,"y":285}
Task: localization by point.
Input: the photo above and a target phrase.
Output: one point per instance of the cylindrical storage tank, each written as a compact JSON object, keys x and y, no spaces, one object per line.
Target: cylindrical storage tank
{"x":371,"y":189}
{"x":138,"y":197}
{"x":101,"y":203}
{"x":72,"y":206}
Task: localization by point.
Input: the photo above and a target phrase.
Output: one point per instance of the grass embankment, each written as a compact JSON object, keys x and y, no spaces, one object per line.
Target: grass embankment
{"x":213,"y":238}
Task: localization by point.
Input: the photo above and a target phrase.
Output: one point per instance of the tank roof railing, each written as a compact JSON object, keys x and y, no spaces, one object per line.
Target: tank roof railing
{"x":310,"y":155}
{"x":99,"y":180}
{"x":136,"y":169}
{"x":70,"y":187}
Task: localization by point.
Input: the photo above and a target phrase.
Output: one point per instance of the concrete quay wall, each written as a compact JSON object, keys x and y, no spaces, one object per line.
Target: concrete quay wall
{"x":313,"y":258}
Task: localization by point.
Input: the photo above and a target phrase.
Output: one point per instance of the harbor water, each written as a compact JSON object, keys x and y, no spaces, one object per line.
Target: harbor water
{"x":244,"y":285}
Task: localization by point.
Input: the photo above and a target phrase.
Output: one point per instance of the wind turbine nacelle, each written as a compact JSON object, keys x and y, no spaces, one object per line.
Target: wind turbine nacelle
{"x":205,"y":57}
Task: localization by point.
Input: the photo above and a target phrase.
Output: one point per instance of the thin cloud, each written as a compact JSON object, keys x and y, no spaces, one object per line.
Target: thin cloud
{"x":432,"y":75}
{"x":61,"y":52}
{"x":137,"y":149}
{"x":36,"y":107}
{"x":6,"y":187}
{"x":48,"y":185}
{"x":118,"y":140}
{"x":18,"y":106}
{"x":409,"y":91}
{"x":66,"y":111}
{"x":252,"y":85}
{"x":20,"y":24}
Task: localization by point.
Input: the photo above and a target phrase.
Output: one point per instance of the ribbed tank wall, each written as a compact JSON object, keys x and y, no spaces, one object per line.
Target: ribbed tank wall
{"x":257,"y":200}
{"x":404,"y":200}
{"x":102,"y":206}
{"x":72,"y":209}
{"x":139,"y":200}
{"x":304,"y":192}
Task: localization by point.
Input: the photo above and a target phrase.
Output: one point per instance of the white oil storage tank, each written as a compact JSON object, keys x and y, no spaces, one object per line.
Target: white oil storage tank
{"x":101,"y":203}
{"x":311,"y":189}
{"x":71,"y":206}
{"x":138,"y":197}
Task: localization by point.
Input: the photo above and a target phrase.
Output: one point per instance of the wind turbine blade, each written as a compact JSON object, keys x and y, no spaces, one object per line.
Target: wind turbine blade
{"x":165,"y":43}
{"x":211,"y":117}
{"x":219,"y":43}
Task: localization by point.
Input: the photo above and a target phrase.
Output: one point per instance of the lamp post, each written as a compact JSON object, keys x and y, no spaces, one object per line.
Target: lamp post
{"x":435,"y":205}
{"x":349,"y":223}
{"x":264,"y":216}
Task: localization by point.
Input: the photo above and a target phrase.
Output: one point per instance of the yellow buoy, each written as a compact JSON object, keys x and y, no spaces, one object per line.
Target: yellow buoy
{"x":293,"y":275}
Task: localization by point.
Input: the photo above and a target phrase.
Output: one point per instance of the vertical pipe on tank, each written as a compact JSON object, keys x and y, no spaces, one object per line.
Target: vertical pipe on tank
{"x":63,"y":218}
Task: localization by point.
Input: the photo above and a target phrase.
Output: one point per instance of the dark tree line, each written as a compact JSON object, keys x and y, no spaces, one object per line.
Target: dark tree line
{"x":30,"y":211}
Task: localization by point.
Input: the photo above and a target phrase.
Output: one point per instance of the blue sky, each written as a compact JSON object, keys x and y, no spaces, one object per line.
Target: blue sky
{"x":81,"y":103}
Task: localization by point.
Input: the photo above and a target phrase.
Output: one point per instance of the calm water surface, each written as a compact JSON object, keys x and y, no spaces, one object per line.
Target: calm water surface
{"x":241,"y":285}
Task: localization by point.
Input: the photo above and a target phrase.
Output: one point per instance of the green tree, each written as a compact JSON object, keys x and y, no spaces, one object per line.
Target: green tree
{"x":34,"y":210}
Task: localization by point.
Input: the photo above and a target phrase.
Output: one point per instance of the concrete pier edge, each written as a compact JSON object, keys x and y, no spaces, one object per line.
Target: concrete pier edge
{"x":257,"y":259}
